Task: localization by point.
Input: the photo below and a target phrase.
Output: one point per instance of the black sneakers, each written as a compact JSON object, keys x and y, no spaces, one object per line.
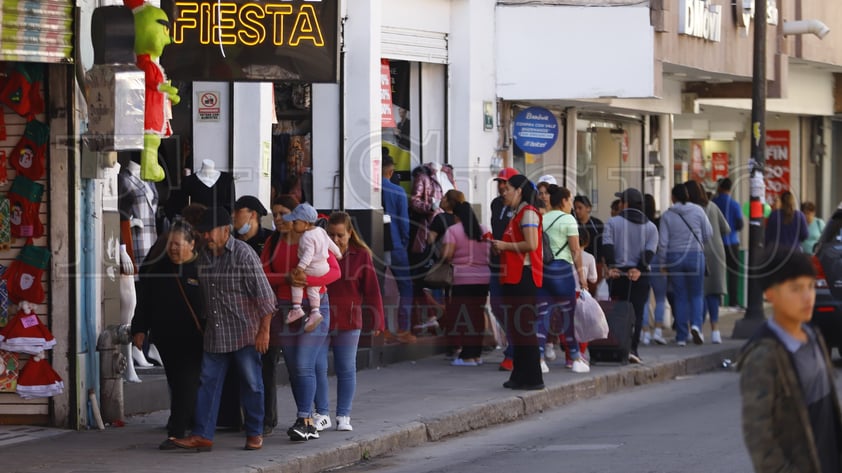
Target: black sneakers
{"x":301,"y":431}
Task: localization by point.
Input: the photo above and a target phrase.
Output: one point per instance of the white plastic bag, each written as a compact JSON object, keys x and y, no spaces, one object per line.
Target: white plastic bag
{"x":589,"y":321}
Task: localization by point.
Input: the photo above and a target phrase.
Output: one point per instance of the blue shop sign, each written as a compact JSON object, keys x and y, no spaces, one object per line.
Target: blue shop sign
{"x":535,"y":130}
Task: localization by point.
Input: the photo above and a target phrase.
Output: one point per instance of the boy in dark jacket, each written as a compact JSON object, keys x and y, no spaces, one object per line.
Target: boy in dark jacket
{"x":791,"y":414}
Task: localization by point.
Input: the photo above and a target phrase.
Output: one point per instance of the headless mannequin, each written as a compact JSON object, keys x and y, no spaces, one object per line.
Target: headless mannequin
{"x":128,"y":295}
{"x":444,"y":181}
{"x":208,"y":173}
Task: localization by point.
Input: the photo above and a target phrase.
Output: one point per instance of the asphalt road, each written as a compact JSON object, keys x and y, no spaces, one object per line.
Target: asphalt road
{"x":686,"y":425}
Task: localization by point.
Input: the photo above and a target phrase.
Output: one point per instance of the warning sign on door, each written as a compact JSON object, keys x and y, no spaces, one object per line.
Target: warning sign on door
{"x":208,"y":106}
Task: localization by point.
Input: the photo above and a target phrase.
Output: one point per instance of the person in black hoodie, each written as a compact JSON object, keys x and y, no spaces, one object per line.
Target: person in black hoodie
{"x":629,"y":243}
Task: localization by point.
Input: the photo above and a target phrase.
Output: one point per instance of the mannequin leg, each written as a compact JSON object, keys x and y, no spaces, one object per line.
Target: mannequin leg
{"x":153,"y":355}
{"x":128,"y":301}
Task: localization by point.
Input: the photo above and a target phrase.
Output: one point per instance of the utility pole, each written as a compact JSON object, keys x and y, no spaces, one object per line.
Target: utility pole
{"x":754,"y":315}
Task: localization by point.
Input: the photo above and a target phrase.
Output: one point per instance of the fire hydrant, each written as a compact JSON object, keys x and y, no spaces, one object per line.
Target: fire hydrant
{"x":112,"y":364}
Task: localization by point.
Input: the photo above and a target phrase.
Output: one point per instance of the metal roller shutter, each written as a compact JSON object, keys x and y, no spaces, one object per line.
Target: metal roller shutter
{"x":413,"y":45}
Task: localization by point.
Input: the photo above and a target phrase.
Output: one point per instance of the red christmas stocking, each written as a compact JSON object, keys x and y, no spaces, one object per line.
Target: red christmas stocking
{"x":29,"y":156}
{"x":24,"y":275}
{"x":24,"y":199}
{"x":17,"y":90}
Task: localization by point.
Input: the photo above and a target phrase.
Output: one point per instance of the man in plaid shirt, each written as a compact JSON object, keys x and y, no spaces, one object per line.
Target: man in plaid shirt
{"x":239,"y":305}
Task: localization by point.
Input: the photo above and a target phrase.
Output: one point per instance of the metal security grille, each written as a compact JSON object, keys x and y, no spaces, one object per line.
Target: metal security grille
{"x":36,"y":30}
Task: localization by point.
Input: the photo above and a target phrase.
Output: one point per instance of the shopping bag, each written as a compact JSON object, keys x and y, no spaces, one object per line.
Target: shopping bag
{"x":589,"y":321}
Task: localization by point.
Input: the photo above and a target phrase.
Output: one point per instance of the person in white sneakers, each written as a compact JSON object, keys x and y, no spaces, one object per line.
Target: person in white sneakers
{"x":313,"y":249}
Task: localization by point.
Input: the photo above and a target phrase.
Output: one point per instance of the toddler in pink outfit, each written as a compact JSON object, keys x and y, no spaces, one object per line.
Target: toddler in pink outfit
{"x":313,"y":249}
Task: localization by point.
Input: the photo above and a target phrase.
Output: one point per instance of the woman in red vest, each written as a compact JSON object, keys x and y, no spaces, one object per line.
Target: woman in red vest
{"x":521,"y":275}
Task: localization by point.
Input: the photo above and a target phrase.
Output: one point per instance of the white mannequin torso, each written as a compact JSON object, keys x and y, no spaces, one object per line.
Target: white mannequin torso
{"x":208,"y":173}
{"x":444,"y":181}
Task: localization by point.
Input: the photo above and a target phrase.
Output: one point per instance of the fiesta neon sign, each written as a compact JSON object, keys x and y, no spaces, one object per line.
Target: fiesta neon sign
{"x":248,"y":24}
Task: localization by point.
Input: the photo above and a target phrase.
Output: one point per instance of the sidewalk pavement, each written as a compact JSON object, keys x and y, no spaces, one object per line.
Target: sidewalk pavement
{"x":397,"y":406}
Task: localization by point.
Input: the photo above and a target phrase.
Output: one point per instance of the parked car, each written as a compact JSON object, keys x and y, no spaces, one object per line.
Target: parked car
{"x":827,"y":257}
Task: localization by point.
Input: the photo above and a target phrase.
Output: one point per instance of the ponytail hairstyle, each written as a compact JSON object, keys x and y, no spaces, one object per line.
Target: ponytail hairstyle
{"x":558,"y":195}
{"x":528,"y":193}
{"x":787,"y":206}
{"x":465,"y":213}
{"x":679,"y":193}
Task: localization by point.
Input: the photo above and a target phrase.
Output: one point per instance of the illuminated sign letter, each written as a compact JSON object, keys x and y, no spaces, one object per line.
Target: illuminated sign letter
{"x":306,"y":28}
{"x":187,"y":13}
{"x":278,"y":12}
{"x":253,"y":31}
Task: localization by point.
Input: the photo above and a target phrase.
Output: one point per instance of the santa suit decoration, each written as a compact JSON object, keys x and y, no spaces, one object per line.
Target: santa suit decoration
{"x":24,"y":201}
{"x":152,"y":34}
{"x":25,"y":333}
{"x":29,"y":156}
{"x":23,"y":277}
{"x":38,"y":379}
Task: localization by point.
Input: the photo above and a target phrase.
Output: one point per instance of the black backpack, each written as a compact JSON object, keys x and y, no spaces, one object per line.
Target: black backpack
{"x":549,"y":256}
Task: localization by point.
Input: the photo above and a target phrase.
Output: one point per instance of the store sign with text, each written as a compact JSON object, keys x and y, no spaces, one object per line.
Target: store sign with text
{"x":250,"y":40}
{"x":701,"y":19}
{"x":387,"y":116}
{"x":719,"y":166}
{"x":777,"y":163}
{"x":535,"y":130}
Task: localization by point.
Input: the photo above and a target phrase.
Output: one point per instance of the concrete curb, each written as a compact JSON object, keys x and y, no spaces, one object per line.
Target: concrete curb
{"x":495,"y":412}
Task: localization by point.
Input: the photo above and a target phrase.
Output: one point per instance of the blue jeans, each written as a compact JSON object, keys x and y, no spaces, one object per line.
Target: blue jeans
{"x":686,"y":275}
{"x":344,"y":343}
{"x":658,"y":282}
{"x":712,"y":302}
{"x":301,"y":350}
{"x":556,"y":306}
{"x":399,"y":264}
{"x":214,"y":367}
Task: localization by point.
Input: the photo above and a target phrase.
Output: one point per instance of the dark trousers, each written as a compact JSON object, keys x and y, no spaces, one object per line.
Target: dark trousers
{"x":270,"y":361}
{"x":182,"y":365}
{"x":732,"y":261}
{"x":636,"y":292}
{"x":519,"y":304}
{"x":466,"y":316}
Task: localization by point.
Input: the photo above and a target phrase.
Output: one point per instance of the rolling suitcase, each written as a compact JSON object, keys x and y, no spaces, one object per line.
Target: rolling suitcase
{"x":615,"y":348}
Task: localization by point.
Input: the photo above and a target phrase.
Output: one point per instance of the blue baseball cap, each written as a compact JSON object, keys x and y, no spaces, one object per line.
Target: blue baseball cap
{"x":304,"y":212}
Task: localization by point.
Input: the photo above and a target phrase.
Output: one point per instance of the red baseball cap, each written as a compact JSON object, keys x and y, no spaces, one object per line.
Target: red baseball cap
{"x":506,"y":173}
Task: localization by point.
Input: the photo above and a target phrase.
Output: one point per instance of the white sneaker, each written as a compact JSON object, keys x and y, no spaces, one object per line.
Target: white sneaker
{"x":321,"y":422}
{"x":343,"y":423}
{"x":579,"y":366}
{"x":544,"y":368}
{"x":549,"y":351}
{"x":698,"y":336}
{"x":715,"y":337}
{"x":646,"y":339}
{"x":681,"y":344}
{"x":658,"y":337}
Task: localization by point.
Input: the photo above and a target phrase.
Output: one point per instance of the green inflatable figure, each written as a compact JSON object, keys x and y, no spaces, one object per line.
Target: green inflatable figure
{"x":152,"y":34}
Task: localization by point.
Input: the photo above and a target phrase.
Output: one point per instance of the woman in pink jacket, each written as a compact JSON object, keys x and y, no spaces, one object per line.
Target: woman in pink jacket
{"x":355,"y":295}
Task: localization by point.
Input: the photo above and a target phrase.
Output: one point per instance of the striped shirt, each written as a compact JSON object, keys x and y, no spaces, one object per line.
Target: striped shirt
{"x":236,"y":294}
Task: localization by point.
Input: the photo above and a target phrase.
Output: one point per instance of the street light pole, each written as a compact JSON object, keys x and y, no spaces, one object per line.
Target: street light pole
{"x":754,"y":315}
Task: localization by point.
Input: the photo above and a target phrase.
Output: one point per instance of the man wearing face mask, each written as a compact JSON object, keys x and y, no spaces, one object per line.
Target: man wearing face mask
{"x":246,"y":219}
